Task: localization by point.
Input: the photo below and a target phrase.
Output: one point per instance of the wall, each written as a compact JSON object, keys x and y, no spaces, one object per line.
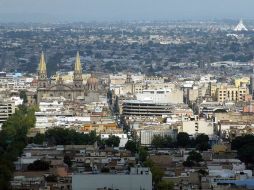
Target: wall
{"x":120,"y":181}
{"x":200,"y":126}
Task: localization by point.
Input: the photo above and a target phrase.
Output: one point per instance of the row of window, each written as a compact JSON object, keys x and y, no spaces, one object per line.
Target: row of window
{"x":232,"y":91}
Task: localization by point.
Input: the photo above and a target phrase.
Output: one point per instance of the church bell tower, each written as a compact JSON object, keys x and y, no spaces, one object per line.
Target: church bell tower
{"x":42,"y":73}
{"x":77,"y":80}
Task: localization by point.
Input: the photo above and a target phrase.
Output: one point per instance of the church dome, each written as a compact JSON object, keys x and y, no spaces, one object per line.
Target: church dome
{"x":92,"y":82}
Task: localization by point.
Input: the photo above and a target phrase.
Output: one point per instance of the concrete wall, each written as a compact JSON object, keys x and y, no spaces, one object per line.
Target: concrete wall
{"x":121,"y":182}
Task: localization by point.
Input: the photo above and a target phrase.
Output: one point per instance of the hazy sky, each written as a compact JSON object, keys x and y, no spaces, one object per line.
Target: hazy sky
{"x":116,"y":10}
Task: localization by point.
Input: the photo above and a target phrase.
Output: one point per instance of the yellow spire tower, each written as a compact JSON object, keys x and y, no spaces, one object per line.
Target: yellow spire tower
{"x":42,"y":73}
{"x":78,"y":67}
{"x":42,"y":64}
{"x":78,"y":81}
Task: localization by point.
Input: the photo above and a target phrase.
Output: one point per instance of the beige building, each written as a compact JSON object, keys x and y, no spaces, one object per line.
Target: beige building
{"x":198,"y":126}
{"x":231,"y":93}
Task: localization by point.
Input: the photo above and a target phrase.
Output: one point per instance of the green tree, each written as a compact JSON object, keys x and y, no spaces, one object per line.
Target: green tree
{"x":6,"y":170}
{"x":238,"y":142}
{"x":157,"y":173}
{"x":61,"y":136}
{"x":158,"y":141}
{"x":23,"y":96}
{"x":38,"y":165}
{"x":51,"y":178}
{"x":93,"y":137}
{"x":202,"y":142}
{"x":245,"y":148}
{"x":142,"y":152}
{"x":112,"y":141}
{"x":166,"y":185}
{"x":67,"y":160}
{"x":109,"y":96}
{"x":183,"y":139}
{"x":168,"y":142}
{"x":116,"y":108}
{"x":246,"y":153}
{"x":13,"y":140}
{"x":131,"y":146}
{"x":39,"y":138}
{"x":193,"y":159}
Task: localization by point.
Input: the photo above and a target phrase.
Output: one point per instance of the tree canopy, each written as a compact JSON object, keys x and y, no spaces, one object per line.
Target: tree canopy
{"x":166,"y":185}
{"x":62,"y":136}
{"x":143,"y":154}
{"x":13,"y":139}
{"x":38,"y":165}
{"x":23,"y":96}
{"x":112,"y":141}
{"x":131,"y":146}
{"x":193,"y":159}
{"x":245,"y":148}
{"x":202,"y":142}
{"x":159,"y":141}
{"x":156,"y":172}
{"x":183,"y":139}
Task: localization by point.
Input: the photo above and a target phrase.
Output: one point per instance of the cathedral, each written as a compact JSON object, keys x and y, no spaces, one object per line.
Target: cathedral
{"x":73,"y":91}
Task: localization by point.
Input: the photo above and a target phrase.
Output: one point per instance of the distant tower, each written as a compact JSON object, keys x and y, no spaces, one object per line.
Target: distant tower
{"x":240,"y":27}
{"x":42,"y":73}
{"x":252,"y":85}
{"x":77,"y":80}
{"x":128,"y":79}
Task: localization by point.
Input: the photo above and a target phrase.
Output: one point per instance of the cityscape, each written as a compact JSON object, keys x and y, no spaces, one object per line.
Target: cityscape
{"x":127,"y":104}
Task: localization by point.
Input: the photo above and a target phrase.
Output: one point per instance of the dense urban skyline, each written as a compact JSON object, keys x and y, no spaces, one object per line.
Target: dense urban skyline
{"x":118,"y":10}
{"x":126,"y":94}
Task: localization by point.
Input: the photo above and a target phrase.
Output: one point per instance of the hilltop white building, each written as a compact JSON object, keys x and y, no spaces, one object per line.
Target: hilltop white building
{"x":240,"y":27}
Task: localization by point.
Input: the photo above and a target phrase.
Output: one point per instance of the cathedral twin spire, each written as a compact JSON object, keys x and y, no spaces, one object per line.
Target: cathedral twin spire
{"x":92,"y":82}
{"x":43,"y":68}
